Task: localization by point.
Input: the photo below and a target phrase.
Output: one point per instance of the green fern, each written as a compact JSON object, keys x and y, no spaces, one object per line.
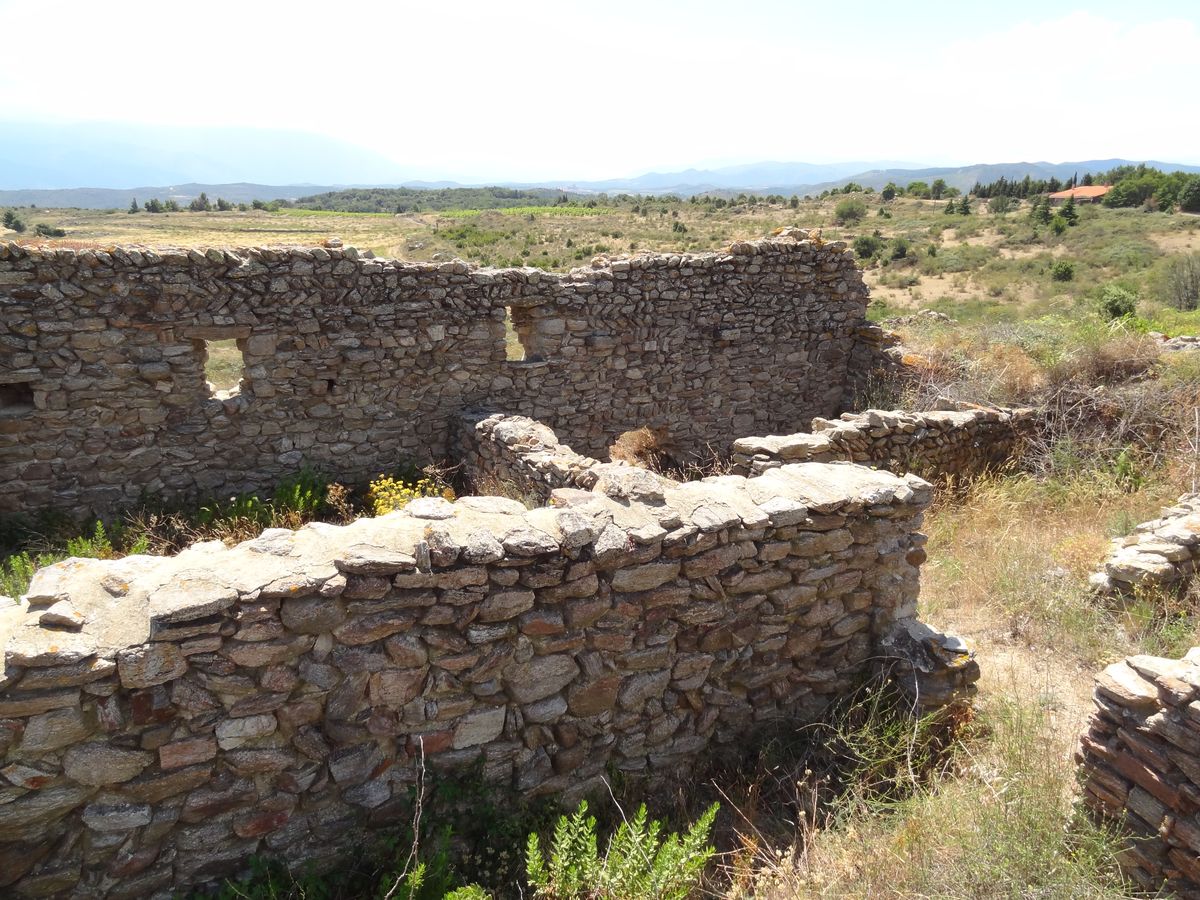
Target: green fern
{"x":639,"y":863}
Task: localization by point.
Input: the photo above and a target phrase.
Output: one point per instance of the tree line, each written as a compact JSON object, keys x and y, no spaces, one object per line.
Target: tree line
{"x":1131,"y":185}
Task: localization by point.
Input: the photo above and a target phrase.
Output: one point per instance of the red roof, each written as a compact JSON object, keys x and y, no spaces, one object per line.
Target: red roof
{"x":1084,"y":192}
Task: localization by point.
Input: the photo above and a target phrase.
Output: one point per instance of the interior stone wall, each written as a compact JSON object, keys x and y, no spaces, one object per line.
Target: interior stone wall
{"x":958,"y":443}
{"x":353,"y":364}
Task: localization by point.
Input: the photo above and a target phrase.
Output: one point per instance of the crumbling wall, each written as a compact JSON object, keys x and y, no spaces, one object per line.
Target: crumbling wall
{"x":514,"y":456}
{"x":1140,"y":761}
{"x":162,"y":720}
{"x":959,"y":443}
{"x":1161,"y":553}
{"x":354,"y":363}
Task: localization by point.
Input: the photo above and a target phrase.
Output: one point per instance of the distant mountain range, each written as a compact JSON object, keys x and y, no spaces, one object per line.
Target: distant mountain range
{"x":106,"y":155}
{"x":39,"y":162}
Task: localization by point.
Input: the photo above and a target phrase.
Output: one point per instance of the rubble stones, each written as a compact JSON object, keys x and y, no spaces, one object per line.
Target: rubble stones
{"x":1161,"y":553}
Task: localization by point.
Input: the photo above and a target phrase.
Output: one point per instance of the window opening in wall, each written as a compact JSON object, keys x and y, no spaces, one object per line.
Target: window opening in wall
{"x":224,"y":368}
{"x":16,"y":398}
{"x":514,"y":350}
{"x":525,"y":334}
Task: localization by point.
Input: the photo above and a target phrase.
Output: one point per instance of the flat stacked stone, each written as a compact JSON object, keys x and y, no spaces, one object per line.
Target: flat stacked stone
{"x":1161,"y":553}
{"x":1140,"y":764}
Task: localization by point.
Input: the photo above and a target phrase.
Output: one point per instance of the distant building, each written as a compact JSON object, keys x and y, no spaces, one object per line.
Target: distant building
{"x":1091,"y":193}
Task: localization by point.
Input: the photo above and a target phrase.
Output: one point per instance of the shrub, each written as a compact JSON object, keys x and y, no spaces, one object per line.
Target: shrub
{"x":388,"y":494}
{"x":998,"y":206}
{"x":1062,"y":270}
{"x":899,"y":248}
{"x":13,"y":221}
{"x":1183,"y":282}
{"x":1117,"y":303}
{"x":49,"y":231}
{"x":849,"y":211}
{"x":867,"y":245}
{"x":638,"y":864}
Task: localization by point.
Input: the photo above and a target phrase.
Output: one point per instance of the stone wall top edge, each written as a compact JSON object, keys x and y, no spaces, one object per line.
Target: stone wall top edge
{"x":878,"y":418}
{"x":110,"y":605}
{"x":139,"y":255}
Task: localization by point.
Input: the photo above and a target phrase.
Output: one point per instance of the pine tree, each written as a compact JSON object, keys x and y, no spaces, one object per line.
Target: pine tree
{"x":1068,"y":212}
{"x":133,"y":206}
{"x":964,"y":206}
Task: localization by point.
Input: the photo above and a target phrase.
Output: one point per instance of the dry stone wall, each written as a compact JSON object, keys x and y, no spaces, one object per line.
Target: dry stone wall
{"x":162,"y":720}
{"x":1140,"y":760}
{"x":517,"y":457}
{"x":1161,"y":553}
{"x":353,"y":363}
{"x":961,"y":442}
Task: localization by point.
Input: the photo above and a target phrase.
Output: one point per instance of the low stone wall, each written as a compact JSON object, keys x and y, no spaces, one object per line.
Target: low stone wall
{"x":1160,"y":553}
{"x":1140,"y":760}
{"x":517,"y":457}
{"x":960,"y":443}
{"x":163,"y":720}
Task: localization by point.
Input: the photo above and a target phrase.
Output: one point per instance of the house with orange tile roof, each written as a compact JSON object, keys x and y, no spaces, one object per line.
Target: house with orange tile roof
{"x":1088,"y":193}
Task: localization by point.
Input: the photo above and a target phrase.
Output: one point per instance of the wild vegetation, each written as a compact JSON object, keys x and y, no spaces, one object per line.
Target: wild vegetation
{"x":1047,"y":306}
{"x":30,"y":542}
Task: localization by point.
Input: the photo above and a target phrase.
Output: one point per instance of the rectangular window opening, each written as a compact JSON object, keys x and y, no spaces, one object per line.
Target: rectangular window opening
{"x":224,"y":368}
{"x":514,"y":347}
{"x":16,"y":398}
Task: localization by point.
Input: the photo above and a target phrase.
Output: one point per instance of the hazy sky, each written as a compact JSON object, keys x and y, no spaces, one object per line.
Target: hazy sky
{"x":587,"y":90}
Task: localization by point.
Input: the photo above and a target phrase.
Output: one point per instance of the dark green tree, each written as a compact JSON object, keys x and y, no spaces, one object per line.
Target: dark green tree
{"x":964,"y":206}
{"x":1189,"y":195}
{"x":938,"y":188}
{"x":889,"y":192}
{"x":133,"y":206}
{"x":1068,"y":212}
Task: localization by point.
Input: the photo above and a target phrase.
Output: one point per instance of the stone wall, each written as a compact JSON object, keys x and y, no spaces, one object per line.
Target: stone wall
{"x":354,"y":363}
{"x":1161,"y":553}
{"x":514,"y":456}
{"x":960,"y":443}
{"x":1140,"y":760}
{"x":163,"y":719}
